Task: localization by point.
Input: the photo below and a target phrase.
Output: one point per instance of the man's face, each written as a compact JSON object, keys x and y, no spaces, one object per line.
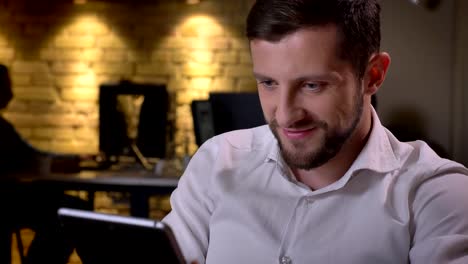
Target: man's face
{"x":311,"y":98}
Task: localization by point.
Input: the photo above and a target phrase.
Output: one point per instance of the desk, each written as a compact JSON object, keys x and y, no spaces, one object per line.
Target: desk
{"x":140,"y":185}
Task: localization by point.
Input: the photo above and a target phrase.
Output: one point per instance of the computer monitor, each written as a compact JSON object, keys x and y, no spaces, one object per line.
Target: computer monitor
{"x":136,"y":114}
{"x":202,"y":120}
{"x":224,"y":112}
{"x":232,"y":111}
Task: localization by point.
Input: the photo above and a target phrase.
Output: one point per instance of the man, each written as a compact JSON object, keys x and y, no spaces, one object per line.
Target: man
{"x":25,"y":207}
{"x":324,"y":182}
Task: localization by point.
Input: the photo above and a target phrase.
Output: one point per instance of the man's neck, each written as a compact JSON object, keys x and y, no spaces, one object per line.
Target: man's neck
{"x":336,"y":167}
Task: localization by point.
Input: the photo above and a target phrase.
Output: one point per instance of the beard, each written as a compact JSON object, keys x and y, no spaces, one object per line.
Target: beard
{"x":299,"y":157}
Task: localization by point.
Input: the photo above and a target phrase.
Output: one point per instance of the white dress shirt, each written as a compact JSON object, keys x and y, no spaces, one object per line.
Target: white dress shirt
{"x":237,"y":202}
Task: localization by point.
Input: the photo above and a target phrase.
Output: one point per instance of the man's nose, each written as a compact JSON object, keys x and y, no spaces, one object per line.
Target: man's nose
{"x":289,"y":109}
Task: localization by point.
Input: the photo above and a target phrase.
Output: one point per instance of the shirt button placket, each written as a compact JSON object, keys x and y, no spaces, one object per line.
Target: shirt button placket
{"x":309,"y":200}
{"x":285,"y":260}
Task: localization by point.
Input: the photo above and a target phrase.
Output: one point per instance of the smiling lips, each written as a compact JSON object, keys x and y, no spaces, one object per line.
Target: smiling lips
{"x":298,"y":133}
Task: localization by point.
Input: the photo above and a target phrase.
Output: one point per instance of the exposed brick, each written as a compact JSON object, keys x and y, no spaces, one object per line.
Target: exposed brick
{"x":26,"y":120}
{"x":201,"y":83}
{"x":70,"y":67}
{"x":44,"y":145}
{"x":91,"y":54}
{"x":200,"y":70}
{"x":176,"y":84}
{"x":40,"y":93}
{"x":35,"y":30}
{"x":183,"y":111}
{"x":75,"y":41}
{"x":25,"y":132}
{"x":238,"y":71}
{"x":245,"y":58}
{"x":80,"y":94}
{"x":88,"y":27}
{"x":185,"y":124}
{"x":246,"y":85}
{"x":62,"y":54}
{"x":200,"y":27}
{"x":85,"y":108}
{"x":64,"y":120}
{"x":113,"y":68}
{"x":201,"y":56}
{"x":183,"y":97}
{"x":42,"y":79}
{"x":6,"y":54}
{"x":86,"y":133}
{"x":75,"y":80}
{"x":180,"y":56}
{"x":42,"y":108}
{"x":222,"y":84}
{"x":110,"y":42}
{"x":211,"y":29}
{"x":161,"y":55}
{"x":29,"y":67}
{"x":56,"y":107}
{"x":210,"y":43}
{"x":53,"y":133}
{"x":175,"y":43}
{"x":186,"y":97}
{"x":19,"y":79}
{"x":56,"y":79}
{"x":108,"y":78}
{"x":114,"y":55}
{"x":154,"y":69}
{"x":17,"y":105}
{"x":74,"y":147}
{"x":240,"y":44}
{"x":196,"y":43}
{"x":135,"y":56}
{"x":227,"y":57}
{"x":3,"y":42}
{"x":149,"y":79}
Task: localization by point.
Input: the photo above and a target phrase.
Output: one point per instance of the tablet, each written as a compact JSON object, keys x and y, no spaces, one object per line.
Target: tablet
{"x":105,"y":238}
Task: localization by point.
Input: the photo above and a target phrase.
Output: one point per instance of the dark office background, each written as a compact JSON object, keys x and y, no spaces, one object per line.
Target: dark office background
{"x":60,"y":51}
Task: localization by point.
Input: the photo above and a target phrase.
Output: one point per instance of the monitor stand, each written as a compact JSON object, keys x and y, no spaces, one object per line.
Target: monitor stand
{"x":141,"y":159}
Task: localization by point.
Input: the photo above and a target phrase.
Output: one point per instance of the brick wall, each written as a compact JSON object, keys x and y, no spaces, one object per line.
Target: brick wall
{"x":58,"y":54}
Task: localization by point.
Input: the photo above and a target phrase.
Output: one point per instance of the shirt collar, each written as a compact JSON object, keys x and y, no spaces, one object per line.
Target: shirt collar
{"x":377,"y":154}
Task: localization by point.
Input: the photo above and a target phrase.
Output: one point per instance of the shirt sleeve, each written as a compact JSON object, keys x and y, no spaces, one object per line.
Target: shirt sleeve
{"x":440,"y":213}
{"x":192,"y":205}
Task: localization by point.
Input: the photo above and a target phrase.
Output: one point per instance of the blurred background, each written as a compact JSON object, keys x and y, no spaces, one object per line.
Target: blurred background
{"x":60,"y":52}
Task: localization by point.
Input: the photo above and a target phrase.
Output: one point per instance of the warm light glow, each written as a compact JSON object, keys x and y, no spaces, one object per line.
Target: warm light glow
{"x":79,"y":2}
{"x":78,"y":56}
{"x":200,"y":26}
{"x":192,"y":2}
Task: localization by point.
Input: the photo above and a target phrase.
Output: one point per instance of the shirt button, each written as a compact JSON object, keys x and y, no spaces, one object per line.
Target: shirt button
{"x":285,"y":260}
{"x":309,"y":200}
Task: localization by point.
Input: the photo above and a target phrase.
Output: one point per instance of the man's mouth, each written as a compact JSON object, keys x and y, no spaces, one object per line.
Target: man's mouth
{"x":296,"y":134}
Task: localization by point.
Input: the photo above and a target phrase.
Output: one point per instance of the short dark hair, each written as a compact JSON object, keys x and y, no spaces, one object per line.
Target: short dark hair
{"x":358,"y":21}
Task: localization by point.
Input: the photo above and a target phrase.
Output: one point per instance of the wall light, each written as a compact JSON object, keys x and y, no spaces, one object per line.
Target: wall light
{"x":79,"y":2}
{"x":192,"y":2}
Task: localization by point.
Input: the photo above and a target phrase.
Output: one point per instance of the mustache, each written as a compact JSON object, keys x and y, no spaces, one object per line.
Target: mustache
{"x":301,"y":124}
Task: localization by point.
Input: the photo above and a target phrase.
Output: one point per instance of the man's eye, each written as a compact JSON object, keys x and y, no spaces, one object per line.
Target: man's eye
{"x":267,"y":83}
{"x":314,"y":86}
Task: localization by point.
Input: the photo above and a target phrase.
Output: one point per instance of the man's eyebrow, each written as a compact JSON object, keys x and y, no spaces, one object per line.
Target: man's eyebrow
{"x":334,"y":76}
{"x":259,"y":76}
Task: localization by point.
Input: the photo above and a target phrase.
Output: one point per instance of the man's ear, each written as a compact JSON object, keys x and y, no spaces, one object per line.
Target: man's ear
{"x":376,"y":72}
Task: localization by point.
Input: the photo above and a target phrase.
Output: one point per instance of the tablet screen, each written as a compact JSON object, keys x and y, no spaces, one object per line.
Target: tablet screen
{"x":105,"y":238}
